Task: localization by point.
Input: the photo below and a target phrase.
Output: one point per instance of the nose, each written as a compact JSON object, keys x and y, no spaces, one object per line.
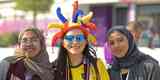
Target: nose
{"x":116,"y":45}
{"x":29,"y":43}
{"x":75,"y":41}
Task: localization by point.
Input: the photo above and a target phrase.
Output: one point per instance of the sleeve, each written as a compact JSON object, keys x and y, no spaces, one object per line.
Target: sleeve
{"x":153,"y":70}
{"x":102,"y":70}
{"x":4,"y":65}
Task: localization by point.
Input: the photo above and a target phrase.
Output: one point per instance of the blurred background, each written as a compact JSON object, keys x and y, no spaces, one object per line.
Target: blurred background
{"x":15,"y":15}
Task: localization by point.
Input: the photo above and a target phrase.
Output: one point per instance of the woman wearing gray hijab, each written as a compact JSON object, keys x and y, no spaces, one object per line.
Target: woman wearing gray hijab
{"x":31,"y":61}
{"x":128,"y":62}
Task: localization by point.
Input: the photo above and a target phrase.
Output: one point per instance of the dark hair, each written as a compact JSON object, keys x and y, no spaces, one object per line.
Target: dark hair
{"x":61,"y":62}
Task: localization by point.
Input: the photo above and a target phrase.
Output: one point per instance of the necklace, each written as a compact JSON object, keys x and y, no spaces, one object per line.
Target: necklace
{"x":124,"y":73}
{"x":86,"y":65}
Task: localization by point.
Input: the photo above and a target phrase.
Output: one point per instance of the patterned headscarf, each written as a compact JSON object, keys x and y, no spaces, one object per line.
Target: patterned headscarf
{"x":38,"y":65}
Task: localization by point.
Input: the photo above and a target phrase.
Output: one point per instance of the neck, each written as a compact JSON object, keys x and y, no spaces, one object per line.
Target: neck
{"x":76,"y":59}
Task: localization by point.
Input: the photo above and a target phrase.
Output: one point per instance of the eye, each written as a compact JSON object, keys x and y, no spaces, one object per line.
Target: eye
{"x":69,"y":37}
{"x":80,"y":38}
{"x":111,"y":43}
{"x":24,"y":40}
{"x":120,"y":39}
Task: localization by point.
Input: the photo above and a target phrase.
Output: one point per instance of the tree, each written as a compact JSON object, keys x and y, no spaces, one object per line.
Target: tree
{"x":36,"y":6}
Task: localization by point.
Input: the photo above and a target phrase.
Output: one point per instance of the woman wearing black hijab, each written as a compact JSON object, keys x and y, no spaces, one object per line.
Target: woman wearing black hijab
{"x":128,"y":62}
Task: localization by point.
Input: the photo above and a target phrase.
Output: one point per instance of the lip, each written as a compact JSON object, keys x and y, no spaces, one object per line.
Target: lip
{"x":116,"y":51}
{"x":75,"y":46}
{"x":29,"y":49}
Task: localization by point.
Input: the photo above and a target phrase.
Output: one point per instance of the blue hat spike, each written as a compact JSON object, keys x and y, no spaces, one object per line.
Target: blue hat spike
{"x":60,"y":16}
{"x":75,"y":17}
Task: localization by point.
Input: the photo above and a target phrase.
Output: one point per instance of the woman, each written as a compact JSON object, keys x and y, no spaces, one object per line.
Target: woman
{"x":128,"y":62}
{"x":31,"y":61}
{"x":77,"y":59}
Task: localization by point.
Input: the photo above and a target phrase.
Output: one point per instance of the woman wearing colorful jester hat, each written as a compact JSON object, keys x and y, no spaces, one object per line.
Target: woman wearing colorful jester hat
{"x":76,"y":59}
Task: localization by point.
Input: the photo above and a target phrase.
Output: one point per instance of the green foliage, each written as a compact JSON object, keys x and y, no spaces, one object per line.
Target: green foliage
{"x":8,"y":39}
{"x":34,"y":5}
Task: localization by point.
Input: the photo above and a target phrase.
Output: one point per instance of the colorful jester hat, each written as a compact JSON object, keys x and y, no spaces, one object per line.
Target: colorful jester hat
{"x":78,"y":21}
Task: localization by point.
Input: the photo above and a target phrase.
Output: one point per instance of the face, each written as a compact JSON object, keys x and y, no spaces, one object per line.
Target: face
{"x":118,"y":44}
{"x":30,"y":43}
{"x":74,"y":41}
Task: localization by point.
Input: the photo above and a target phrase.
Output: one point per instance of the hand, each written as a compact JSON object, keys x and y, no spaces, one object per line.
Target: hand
{"x":19,"y":52}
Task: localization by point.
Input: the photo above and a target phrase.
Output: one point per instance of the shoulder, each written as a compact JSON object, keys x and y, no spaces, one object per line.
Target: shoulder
{"x":4,"y":66}
{"x":100,"y":63}
{"x":4,"y":63}
{"x":151,"y":68}
{"x":150,"y":65}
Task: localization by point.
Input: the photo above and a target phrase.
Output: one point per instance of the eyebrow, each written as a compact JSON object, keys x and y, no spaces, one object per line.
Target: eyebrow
{"x":118,"y":37}
{"x":30,"y":38}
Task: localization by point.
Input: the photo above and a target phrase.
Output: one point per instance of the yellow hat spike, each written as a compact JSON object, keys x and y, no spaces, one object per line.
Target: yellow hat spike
{"x":87,"y":18}
{"x":55,"y":25}
{"x":91,"y":38}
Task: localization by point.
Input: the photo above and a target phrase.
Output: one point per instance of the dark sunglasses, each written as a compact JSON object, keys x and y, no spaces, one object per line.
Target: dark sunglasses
{"x":78,"y":38}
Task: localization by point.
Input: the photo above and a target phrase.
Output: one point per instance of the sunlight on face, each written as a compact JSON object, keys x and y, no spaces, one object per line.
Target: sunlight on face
{"x":118,"y":44}
{"x":30,"y":43}
{"x":74,"y":41}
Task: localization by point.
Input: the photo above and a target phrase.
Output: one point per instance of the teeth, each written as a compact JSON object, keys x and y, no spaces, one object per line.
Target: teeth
{"x":75,"y":46}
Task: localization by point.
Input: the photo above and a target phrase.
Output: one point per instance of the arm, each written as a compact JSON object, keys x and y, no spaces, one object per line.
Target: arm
{"x":153,"y":70}
{"x":4,"y":65}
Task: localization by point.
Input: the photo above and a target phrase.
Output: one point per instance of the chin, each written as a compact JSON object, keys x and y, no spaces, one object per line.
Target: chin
{"x":75,"y":52}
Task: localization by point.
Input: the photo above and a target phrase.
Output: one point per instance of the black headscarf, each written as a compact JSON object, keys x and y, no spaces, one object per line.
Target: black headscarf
{"x":133,"y":56}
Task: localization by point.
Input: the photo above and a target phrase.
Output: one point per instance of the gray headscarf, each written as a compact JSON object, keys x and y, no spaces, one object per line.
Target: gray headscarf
{"x":38,"y":65}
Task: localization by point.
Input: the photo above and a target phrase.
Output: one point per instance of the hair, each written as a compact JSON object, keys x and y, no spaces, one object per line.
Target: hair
{"x":61,"y":62}
{"x":137,"y":26}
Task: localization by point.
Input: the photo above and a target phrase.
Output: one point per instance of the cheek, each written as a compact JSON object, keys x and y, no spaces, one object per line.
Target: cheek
{"x":124,"y":48}
{"x":66,"y":44}
{"x":21,"y":46}
{"x":39,"y":46}
{"x":83,"y":46}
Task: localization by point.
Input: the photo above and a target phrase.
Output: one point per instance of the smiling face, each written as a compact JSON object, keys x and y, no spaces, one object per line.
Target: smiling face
{"x":118,"y":44}
{"x":74,"y":41}
{"x":30,"y":43}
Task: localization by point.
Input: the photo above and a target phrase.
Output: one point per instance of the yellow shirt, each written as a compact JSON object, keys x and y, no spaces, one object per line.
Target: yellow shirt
{"x":77,"y":72}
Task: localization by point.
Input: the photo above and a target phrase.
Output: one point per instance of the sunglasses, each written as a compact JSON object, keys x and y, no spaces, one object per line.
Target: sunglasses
{"x":78,"y":38}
